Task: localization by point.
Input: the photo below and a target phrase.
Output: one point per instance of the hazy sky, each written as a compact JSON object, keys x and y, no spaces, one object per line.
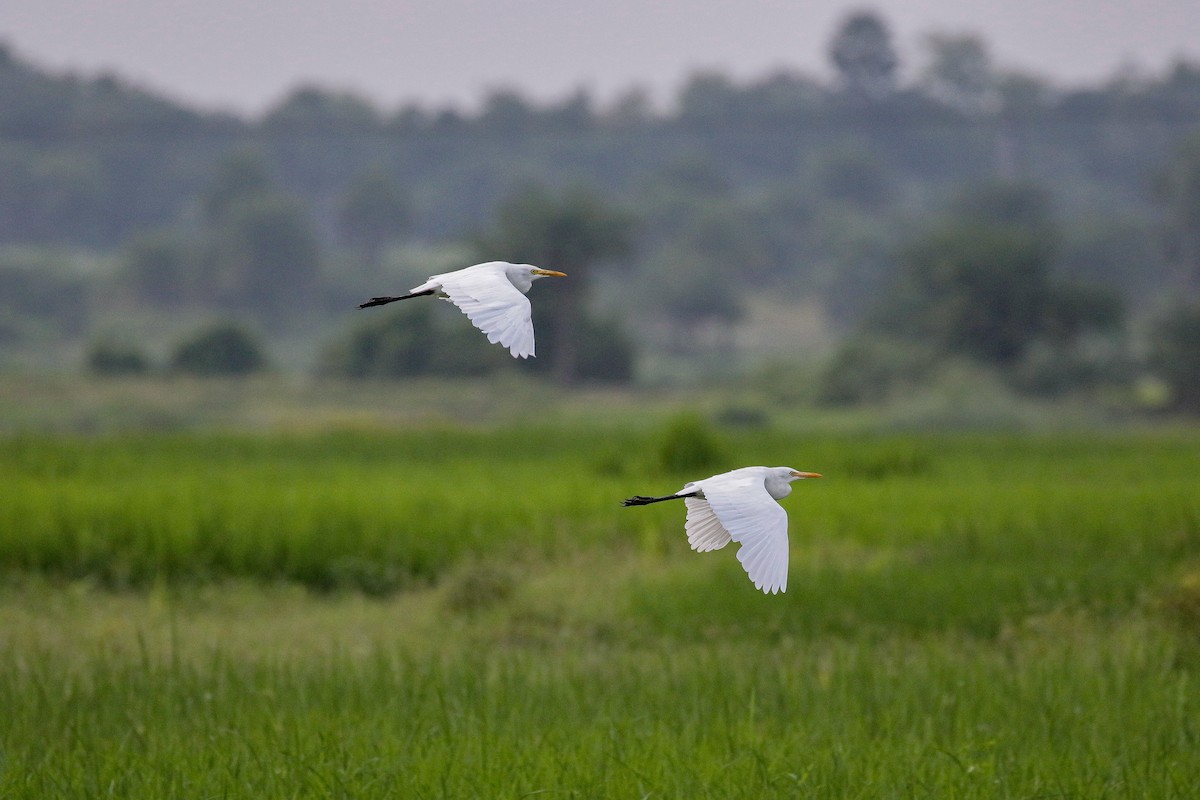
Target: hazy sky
{"x":246,"y":54}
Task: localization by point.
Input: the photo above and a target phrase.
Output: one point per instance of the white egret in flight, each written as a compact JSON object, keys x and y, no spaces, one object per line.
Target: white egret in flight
{"x":492,"y":295}
{"x":740,"y":506}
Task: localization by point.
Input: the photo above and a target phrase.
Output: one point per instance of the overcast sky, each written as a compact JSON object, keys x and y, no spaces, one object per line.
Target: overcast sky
{"x":244,"y":55}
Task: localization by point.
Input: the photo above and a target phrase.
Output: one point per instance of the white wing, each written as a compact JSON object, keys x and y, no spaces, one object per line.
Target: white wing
{"x":704,"y":530}
{"x":751,"y":517}
{"x":488,"y":298}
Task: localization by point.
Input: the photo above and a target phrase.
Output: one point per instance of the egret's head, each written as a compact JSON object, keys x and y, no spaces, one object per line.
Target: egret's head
{"x":538,"y":272}
{"x":795,"y":475}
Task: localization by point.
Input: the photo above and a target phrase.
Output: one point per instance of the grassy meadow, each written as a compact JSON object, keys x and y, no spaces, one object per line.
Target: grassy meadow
{"x":434,"y":609}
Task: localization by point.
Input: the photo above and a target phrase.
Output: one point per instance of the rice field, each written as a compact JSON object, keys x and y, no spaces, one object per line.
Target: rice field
{"x":468,"y":612}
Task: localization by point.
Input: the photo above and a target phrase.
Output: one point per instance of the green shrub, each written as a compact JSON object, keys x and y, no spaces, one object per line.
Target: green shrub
{"x":689,"y":445}
{"x":221,"y":349}
{"x":1175,"y":355}
{"x":115,"y":358}
{"x":397,"y":344}
{"x":478,"y":588}
{"x":868,"y":370}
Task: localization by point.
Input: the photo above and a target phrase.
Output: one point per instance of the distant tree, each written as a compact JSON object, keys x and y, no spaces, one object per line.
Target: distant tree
{"x":850,"y":258}
{"x":110,"y":358}
{"x":265,"y":256}
{"x":409,"y":343}
{"x":35,"y":104}
{"x":1175,"y":354}
{"x":162,"y":268}
{"x":853,"y":174}
{"x":53,"y":195}
{"x":784,"y":96}
{"x":700,"y":272}
{"x":707,"y":97}
{"x":863,"y":55}
{"x":108,"y":102}
{"x":976,"y":289}
{"x":867,"y":368}
{"x":506,"y":111}
{"x":691,"y":180}
{"x":448,"y":120}
{"x":241,"y":174}
{"x":573,"y":231}
{"x":1177,"y":94}
{"x":959,"y":73}
{"x":39,"y":105}
{"x":572,"y":113}
{"x":41,"y":295}
{"x":1118,"y":251}
{"x":1017,"y":204}
{"x":694,"y":290}
{"x":1178,"y":190}
{"x":315,"y":110}
{"x":1076,"y":309}
{"x":220,"y":349}
{"x":688,"y":443}
{"x":410,"y":119}
{"x":262,"y":252}
{"x":604,"y":352}
{"x":385,"y":346}
{"x":631,"y":108}
{"x":1021,"y":95}
{"x":981,"y":284}
{"x":372,"y":213}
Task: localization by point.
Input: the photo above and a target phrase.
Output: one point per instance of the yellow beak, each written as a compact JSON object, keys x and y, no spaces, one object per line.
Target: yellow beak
{"x":550,"y":273}
{"x":807,"y":475}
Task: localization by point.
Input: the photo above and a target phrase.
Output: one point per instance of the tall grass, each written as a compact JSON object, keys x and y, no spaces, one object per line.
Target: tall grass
{"x":1089,"y":714}
{"x":375,"y":513}
{"x":1048,"y":520}
{"x":967,"y":616}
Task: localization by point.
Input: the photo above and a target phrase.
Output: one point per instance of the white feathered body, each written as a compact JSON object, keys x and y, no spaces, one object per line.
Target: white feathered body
{"x":740,"y":506}
{"x":492,"y":295}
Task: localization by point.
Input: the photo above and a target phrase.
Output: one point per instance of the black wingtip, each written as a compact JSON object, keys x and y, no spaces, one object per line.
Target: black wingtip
{"x":377,"y":301}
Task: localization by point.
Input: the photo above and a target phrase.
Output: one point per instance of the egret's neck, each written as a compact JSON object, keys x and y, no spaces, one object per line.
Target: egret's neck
{"x":778,"y":488}
{"x":520,"y":278}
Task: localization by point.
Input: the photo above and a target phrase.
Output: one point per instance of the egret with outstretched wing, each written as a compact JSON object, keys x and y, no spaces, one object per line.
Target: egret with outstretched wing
{"x":740,"y":506}
{"x":492,"y":295}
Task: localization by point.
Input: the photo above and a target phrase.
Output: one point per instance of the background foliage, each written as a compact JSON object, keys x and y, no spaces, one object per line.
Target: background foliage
{"x":693,"y":234}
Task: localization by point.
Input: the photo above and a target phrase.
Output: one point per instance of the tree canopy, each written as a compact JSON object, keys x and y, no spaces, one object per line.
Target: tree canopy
{"x":573,"y":231}
{"x":739,"y":201}
{"x":862,"y":52}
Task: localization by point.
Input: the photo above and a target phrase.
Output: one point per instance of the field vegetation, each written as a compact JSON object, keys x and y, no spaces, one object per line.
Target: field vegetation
{"x":448,"y":610}
{"x":256,"y":543}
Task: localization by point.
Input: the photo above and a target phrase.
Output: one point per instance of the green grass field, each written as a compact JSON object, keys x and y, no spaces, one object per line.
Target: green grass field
{"x":449,"y":611}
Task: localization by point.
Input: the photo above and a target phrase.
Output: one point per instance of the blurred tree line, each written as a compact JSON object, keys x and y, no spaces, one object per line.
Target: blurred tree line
{"x":969,"y":212}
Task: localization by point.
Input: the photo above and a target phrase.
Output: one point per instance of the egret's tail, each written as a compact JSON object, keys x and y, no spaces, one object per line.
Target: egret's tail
{"x":379,"y":301}
{"x":642,"y":500}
